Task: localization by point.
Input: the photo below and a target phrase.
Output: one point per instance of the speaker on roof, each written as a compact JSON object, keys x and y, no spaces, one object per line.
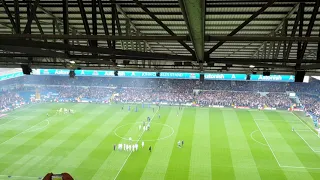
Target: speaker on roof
{"x":26,"y":69}
{"x":72,"y":74}
{"x":201,"y":77}
{"x":299,"y":76}
{"x":248,"y":77}
{"x":126,"y":62}
{"x":266,"y":73}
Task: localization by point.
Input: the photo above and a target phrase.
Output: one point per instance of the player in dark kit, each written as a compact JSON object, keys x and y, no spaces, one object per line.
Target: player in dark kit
{"x":150,"y":148}
{"x":182,"y":142}
{"x":114,"y":147}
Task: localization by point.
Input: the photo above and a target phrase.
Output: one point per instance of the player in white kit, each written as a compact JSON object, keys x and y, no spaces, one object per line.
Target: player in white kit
{"x":139,"y":127}
{"x":136,"y":145}
{"x":142,"y":144}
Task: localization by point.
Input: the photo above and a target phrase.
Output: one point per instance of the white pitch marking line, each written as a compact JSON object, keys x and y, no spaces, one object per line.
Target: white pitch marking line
{"x":298,"y":167}
{"x":131,"y":151}
{"x":301,"y":130}
{"x":28,"y":177}
{"x":20,"y":133}
{"x":255,"y":139}
{"x":115,"y":132}
{"x":9,"y":121}
{"x":33,"y":130}
{"x":305,"y":141}
{"x":268,"y":144}
{"x":305,"y":124}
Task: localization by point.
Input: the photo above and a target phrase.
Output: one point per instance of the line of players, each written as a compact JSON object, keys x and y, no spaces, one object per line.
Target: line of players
{"x":144,"y":127}
{"x":65,"y":111}
{"x":128,"y":147}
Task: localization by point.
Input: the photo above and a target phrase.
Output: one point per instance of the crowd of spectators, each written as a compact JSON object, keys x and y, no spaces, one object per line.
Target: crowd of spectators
{"x":311,"y":103}
{"x":174,"y":84}
{"x":10,"y":100}
{"x":150,"y":95}
{"x":76,"y":93}
{"x":244,"y":98}
{"x":173,"y":91}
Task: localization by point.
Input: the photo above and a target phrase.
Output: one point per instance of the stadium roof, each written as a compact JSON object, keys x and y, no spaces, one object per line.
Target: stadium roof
{"x":162,"y":35}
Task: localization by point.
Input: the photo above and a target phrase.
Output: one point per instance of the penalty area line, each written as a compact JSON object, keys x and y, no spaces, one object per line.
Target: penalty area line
{"x":298,"y":167}
{"x":305,"y":141}
{"x":23,"y":177}
{"x":275,"y":157}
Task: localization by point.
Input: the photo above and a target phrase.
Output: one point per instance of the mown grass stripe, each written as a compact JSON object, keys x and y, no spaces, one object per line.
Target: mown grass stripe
{"x":157,"y":164}
{"x":200,"y":163}
{"x":33,"y":140}
{"x":179,"y":164}
{"x":221,"y":161}
{"x":242,"y":158}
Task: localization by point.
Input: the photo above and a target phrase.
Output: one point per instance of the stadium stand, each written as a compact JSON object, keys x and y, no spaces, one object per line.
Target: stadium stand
{"x":166,"y":91}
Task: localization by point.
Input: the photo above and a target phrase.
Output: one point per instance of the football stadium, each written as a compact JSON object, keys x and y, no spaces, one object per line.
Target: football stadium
{"x":134,"y":127}
{"x":159,"y":89}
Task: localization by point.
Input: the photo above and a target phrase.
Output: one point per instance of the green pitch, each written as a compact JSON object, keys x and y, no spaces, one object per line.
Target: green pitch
{"x":219,"y":144}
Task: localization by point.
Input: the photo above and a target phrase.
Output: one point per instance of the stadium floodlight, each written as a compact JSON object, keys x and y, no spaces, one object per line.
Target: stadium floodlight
{"x":251,"y":66}
{"x":72,"y":62}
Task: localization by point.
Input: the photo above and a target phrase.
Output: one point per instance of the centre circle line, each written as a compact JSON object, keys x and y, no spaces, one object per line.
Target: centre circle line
{"x":162,"y":138}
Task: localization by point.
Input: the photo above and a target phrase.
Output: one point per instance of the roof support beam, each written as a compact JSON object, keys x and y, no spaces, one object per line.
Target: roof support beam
{"x":132,"y":25}
{"x":17,"y":17}
{"x":293,"y":33}
{"x":310,"y":67}
{"x":301,"y":19}
{"x":39,"y":26}
{"x":278,"y":49}
{"x":271,"y":47}
{"x":284,"y":33}
{"x":119,"y":27}
{"x":31,"y":13}
{"x":194,"y":16}
{"x":104,"y":21}
{"x":154,"y":17}
{"x":273,"y":33}
{"x":113,"y":22}
{"x":262,"y":60}
{"x":162,"y":38}
{"x":318,"y":51}
{"x":4,"y":4}
{"x":33,"y":51}
{"x":97,"y":50}
{"x":308,"y":33}
{"x":65,"y":18}
{"x":94,"y":22}
{"x":235,"y":31}
{"x":84,"y":19}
